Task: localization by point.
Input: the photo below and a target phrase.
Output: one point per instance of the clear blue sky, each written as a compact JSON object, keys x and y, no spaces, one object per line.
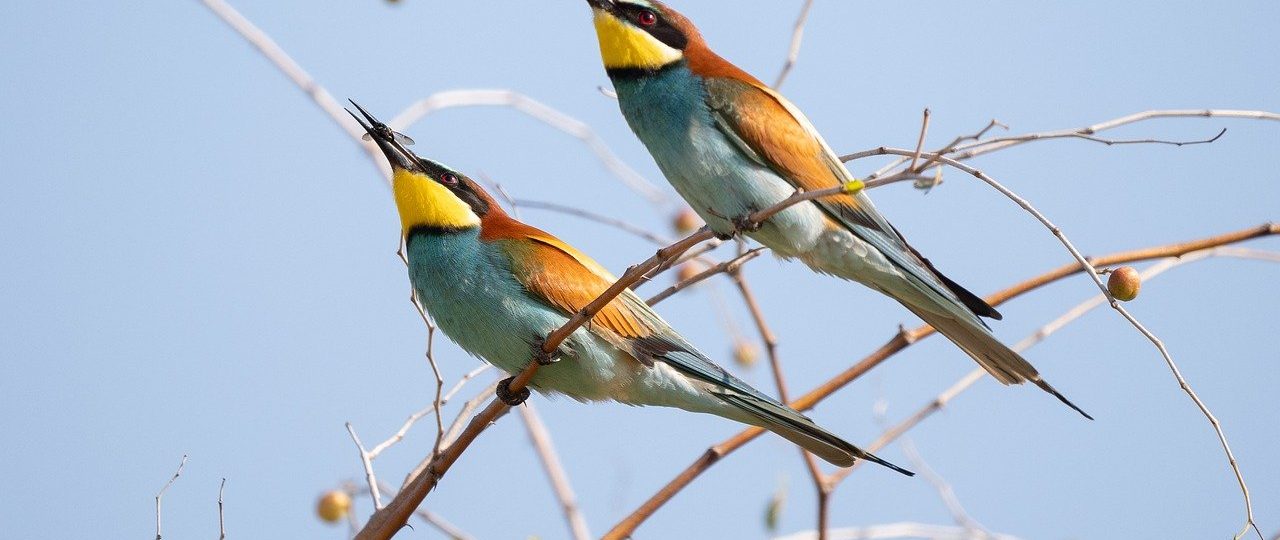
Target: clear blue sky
{"x":194,"y":260}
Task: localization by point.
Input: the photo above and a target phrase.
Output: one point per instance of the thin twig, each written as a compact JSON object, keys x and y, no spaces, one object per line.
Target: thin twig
{"x":431,"y":358}
{"x":543,"y":113}
{"x":901,"y":340}
{"x":300,"y":78}
{"x":924,"y":131}
{"x":222,"y":524}
{"x":697,"y":253}
{"x":944,"y":489}
{"x":797,"y":38}
{"x":1005,"y":142}
{"x":968,"y":151}
{"x":960,"y":152}
{"x":435,"y":368}
{"x":455,"y":429}
{"x":160,"y":495}
{"x":463,"y":381}
{"x":441,"y":100}
{"x":368,"y":468}
{"x":720,"y":268}
{"x":444,"y":526}
{"x":1097,"y":279}
{"x":1042,"y":333}
{"x":400,"y":434}
{"x":431,"y":518}
{"x":991,"y":145}
{"x":770,"y":341}
{"x":541,"y":439}
{"x":870,"y":179}
{"x":593,"y":216}
{"x":413,"y":418}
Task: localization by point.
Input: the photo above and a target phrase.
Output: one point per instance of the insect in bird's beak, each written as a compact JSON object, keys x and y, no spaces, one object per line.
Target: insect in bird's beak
{"x":389,"y":133}
{"x":388,"y":140}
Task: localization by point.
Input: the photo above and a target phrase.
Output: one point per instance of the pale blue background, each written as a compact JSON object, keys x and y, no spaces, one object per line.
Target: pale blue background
{"x":194,"y":260}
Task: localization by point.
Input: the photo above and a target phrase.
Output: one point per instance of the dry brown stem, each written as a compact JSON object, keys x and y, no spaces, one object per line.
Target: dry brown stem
{"x":903,"y":339}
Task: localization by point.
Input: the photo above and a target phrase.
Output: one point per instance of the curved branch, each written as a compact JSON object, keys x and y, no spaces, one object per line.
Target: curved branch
{"x":542,"y":113}
{"x":966,"y":382}
{"x":962,"y":152}
{"x":797,"y":38}
{"x":902,"y":340}
{"x":300,"y":78}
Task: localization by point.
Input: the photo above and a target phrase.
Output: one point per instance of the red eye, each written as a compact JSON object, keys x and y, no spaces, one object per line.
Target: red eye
{"x":647,"y":18}
{"x":449,"y":180}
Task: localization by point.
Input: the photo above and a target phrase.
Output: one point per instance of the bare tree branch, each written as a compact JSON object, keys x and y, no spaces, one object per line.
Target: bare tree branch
{"x":368,"y":469}
{"x":541,"y":439}
{"x":432,"y":409}
{"x":900,"y":341}
{"x":160,"y":495}
{"x":963,"y":152}
{"x":945,"y":491}
{"x":449,"y":529}
{"x":1071,"y":315}
{"x":593,"y":216}
{"x":441,"y":100}
{"x":300,"y":78}
{"x":797,"y":38}
{"x":455,"y":429}
{"x":222,"y":524}
{"x":770,"y":341}
{"x":543,"y":113}
{"x":1097,"y":279}
{"x":721,"y":268}
{"x":431,"y":518}
{"x":991,"y":145}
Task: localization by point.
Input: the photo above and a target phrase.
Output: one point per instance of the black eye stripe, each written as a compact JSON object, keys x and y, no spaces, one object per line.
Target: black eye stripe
{"x":660,"y":29}
{"x":465,"y":192}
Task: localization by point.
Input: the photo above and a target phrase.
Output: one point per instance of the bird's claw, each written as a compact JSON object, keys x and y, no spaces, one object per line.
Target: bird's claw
{"x":508,"y":396}
{"x":544,"y":358}
{"x":540,"y":354}
{"x":744,"y":224}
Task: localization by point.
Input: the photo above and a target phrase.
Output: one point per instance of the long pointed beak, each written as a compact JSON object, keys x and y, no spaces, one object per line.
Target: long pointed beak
{"x":606,"y":5}
{"x":385,"y":138}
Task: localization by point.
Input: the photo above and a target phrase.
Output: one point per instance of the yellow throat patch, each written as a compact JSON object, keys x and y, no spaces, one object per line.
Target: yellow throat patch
{"x":425,"y":202}
{"x":623,"y":46}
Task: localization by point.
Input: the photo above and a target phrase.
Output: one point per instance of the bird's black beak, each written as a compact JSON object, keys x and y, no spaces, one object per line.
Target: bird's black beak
{"x":385,"y":138}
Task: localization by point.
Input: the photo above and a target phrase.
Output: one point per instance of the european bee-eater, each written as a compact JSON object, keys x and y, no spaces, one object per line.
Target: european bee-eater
{"x":730,"y":145}
{"x":497,"y":287}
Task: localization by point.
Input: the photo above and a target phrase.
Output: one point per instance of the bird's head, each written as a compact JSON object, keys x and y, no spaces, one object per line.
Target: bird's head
{"x":428,"y":194}
{"x":643,"y":35}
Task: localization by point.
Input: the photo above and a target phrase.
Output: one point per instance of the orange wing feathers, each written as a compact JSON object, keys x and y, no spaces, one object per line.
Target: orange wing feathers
{"x":561,"y":275}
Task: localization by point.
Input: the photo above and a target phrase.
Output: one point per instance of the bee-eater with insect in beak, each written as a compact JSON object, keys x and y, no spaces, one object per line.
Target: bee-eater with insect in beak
{"x":731,"y":145}
{"x":497,"y":287}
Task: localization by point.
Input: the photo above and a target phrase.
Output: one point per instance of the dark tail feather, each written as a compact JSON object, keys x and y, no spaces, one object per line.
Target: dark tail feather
{"x":1045,"y":386}
{"x":999,"y":360}
{"x":799,"y":429}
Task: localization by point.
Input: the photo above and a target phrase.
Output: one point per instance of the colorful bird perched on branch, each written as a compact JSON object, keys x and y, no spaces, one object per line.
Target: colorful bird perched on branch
{"x":730,"y":145}
{"x":497,"y":287}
